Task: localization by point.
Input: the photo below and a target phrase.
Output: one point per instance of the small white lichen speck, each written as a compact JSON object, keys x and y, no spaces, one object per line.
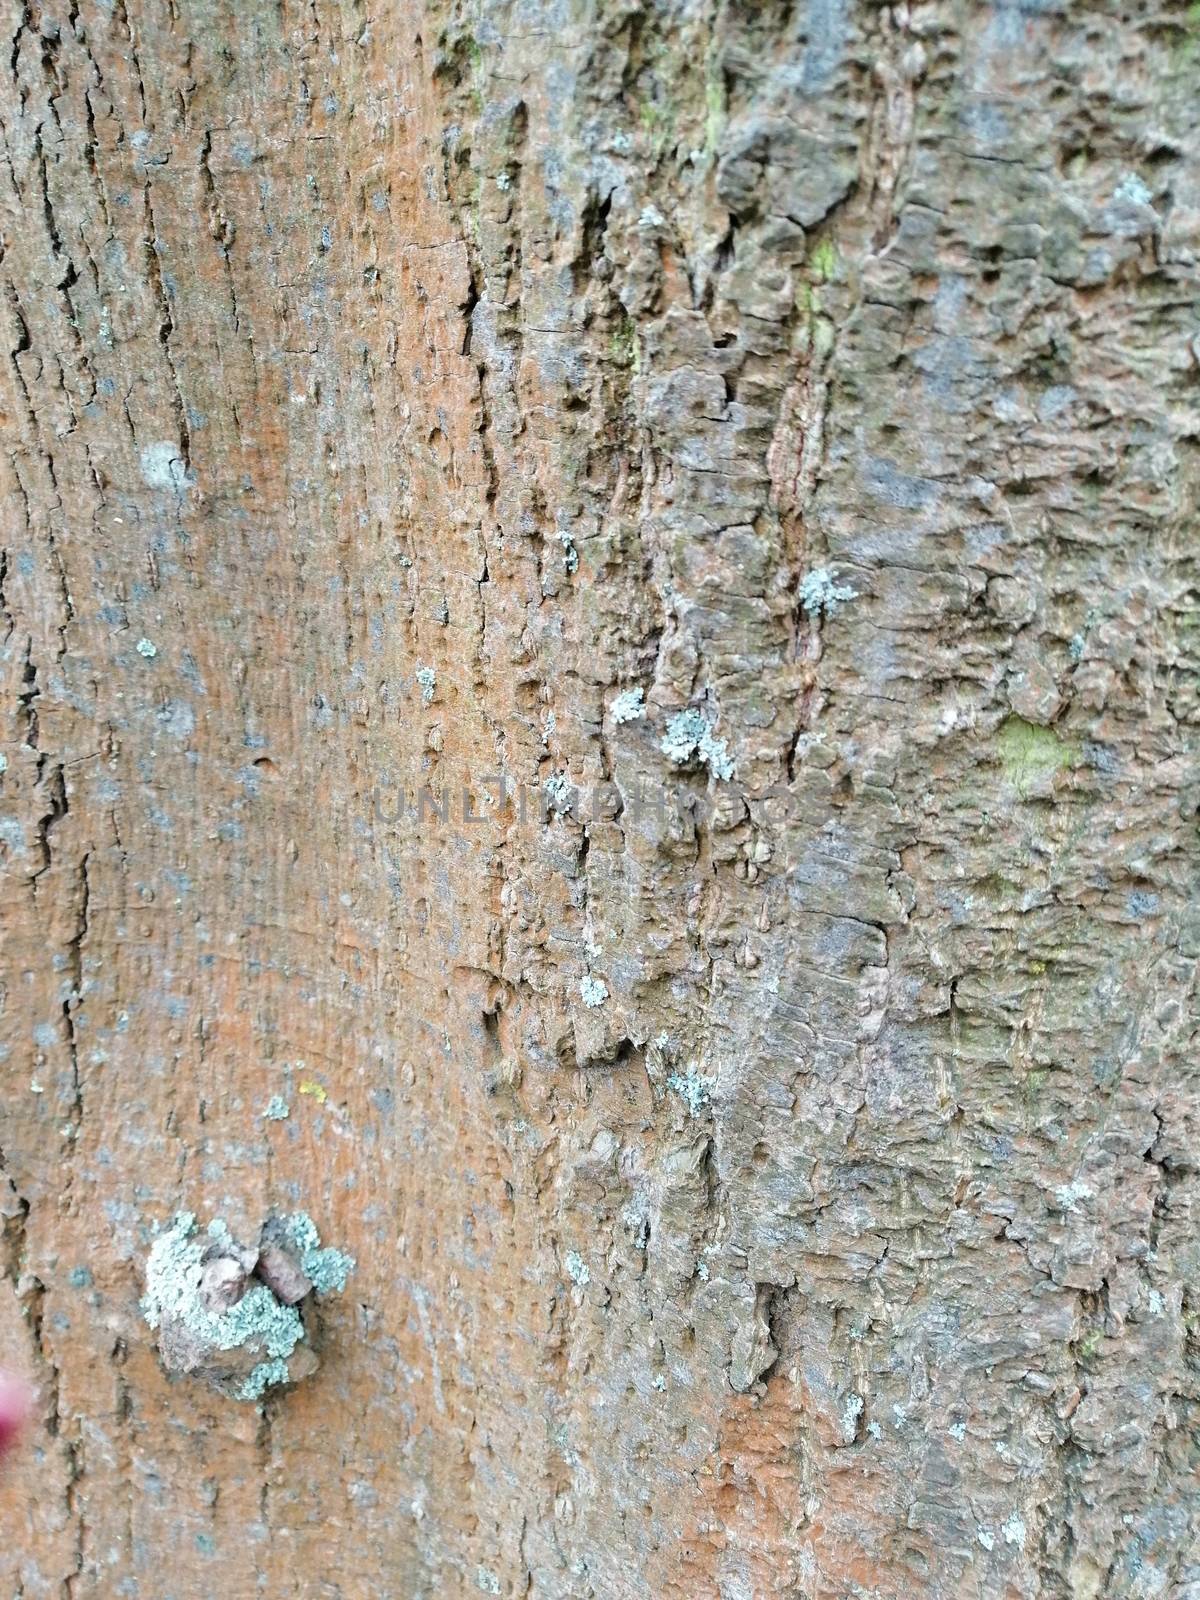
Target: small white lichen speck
{"x":593,"y":990}
{"x":819,"y":592}
{"x":629,"y":706}
{"x":1132,"y":190}
{"x":164,"y":468}
{"x":147,"y":649}
{"x":1070,"y":1194}
{"x":560,"y":796}
{"x":852,"y":1408}
{"x":427,"y":682}
{"x":577,"y":1268}
{"x":1013,"y":1529}
{"x":277,"y":1109}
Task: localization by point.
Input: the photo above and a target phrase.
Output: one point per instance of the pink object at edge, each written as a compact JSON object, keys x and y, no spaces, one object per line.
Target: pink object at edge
{"x":15,"y":1401}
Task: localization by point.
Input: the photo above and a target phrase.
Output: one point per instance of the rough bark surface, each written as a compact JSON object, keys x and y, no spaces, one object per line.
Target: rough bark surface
{"x":774,"y":1187}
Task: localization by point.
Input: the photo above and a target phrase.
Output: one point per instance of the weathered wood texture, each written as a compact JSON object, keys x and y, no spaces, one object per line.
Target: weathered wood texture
{"x":848,"y":1246}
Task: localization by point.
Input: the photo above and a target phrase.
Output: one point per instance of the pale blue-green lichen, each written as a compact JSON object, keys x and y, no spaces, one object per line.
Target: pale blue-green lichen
{"x":427,"y":683}
{"x":593,"y":990}
{"x":147,"y":649}
{"x":1070,"y":1194}
{"x":1132,"y":190}
{"x":819,"y":593}
{"x":692,"y":1089}
{"x":1014,"y":1530}
{"x":173,"y":1273}
{"x":266,"y":1375}
{"x":629,"y":706}
{"x":277,"y":1109}
{"x":690,"y":734}
{"x":328,"y":1269}
{"x":178,"y":1304}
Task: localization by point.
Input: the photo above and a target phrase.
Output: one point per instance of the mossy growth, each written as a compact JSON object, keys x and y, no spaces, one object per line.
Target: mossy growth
{"x":823,"y":262}
{"x":714,"y":109}
{"x":658,"y":123}
{"x":1087,"y":1349}
{"x":623,"y":346}
{"x":1031,"y":755}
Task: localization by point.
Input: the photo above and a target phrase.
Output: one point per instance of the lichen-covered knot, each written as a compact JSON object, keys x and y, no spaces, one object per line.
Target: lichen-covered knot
{"x":242,"y":1317}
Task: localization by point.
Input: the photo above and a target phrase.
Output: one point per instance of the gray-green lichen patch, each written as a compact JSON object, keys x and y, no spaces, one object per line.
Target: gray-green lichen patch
{"x":277,"y":1109}
{"x":239,"y":1316}
{"x":820,"y":593}
{"x":689,"y":735}
{"x":327,"y":1268}
{"x":427,"y":683}
{"x":266,"y":1375}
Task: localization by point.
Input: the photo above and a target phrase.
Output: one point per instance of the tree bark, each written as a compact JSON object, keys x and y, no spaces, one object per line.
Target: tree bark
{"x":766,"y":1136}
